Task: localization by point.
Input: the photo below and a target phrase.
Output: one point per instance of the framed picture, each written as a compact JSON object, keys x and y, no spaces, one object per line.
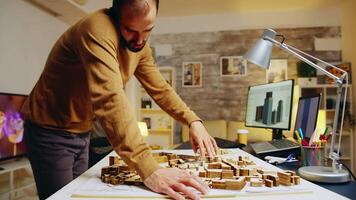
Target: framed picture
{"x":147,"y":120}
{"x":192,"y":74}
{"x":233,"y":66}
{"x":277,"y":70}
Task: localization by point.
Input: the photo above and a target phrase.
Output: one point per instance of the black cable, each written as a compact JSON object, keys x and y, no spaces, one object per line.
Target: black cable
{"x":282,"y":36}
{"x":353,"y":176}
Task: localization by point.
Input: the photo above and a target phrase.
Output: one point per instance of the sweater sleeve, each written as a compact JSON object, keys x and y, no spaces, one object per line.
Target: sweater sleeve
{"x":98,"y":52}
{"x":162,"y":93}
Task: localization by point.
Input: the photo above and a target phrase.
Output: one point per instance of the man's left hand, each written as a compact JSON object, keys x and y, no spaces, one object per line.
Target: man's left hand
{"x":200,"y":138}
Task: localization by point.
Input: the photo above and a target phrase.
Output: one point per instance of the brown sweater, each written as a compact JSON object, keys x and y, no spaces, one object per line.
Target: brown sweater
{"x":84,"y":79}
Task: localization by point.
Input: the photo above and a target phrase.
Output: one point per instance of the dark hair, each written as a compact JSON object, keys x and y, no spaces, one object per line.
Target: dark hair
{"x":118,"y":4}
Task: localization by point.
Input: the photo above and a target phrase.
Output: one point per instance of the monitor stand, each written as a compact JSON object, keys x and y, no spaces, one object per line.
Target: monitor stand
{"x":277,"y":134}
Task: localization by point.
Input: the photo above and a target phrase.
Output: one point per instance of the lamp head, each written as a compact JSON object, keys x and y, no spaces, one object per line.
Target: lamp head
{"x":260,"y":53}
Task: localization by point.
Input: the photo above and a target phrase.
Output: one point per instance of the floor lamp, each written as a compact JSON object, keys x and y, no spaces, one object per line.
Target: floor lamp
{"x":260,"y":54}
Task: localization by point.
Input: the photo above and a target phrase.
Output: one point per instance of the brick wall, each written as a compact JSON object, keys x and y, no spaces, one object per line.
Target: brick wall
{"x":225,"y":97}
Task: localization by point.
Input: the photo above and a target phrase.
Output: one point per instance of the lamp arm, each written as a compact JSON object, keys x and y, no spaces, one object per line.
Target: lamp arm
{"x":289,"y":50}
{"x":314,"y":58}
{"x":339,"y":82}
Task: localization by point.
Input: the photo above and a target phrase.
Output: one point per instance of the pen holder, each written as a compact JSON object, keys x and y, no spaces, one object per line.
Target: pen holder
{"x":312,"y":156}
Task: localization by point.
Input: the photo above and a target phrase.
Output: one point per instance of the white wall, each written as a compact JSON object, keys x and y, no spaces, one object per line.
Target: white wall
{"x":26,"y":37}
{"x":249,"y":20}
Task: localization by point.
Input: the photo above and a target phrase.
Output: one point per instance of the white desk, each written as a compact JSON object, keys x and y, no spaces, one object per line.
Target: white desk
{"x":315,"y":191}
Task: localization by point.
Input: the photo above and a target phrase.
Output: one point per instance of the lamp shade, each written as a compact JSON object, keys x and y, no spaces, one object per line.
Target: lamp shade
{"x":143,"y":128}
{"x":260,"y":53}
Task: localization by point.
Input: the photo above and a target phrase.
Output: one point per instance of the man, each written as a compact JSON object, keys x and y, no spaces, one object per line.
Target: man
{"x":83,"y":80}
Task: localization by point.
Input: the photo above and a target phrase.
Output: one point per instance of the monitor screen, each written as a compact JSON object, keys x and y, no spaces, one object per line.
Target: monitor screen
{"x":11,"y":126}
{"x":307,"y":114}
{"x":270,"y":105}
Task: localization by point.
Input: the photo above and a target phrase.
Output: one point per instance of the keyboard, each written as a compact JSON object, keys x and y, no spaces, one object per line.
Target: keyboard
{"x":274,"y":146}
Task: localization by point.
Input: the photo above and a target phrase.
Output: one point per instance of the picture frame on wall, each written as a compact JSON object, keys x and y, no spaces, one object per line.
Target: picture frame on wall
{"x":192,"y":74}
{"x":233,"y":66}
{"x":277,"y":70}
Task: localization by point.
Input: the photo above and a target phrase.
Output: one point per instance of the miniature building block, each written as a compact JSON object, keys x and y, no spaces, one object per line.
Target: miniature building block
{"x":214,"y":165}
{"x":244,"y":172}
{"x":286,"y":182}
{"x":284,"y":175}
{"x":256,"y":183}
{"x":114,"y":181}
{"x":225,"y":166}
{"x":213,"y":173}
{"x":238,"y":184}
{"x":227,"y":174}
{"x":275,"y":180}
{"x":296,"y":180}
{"x":268,"y":183}
{"x":172,"y":156}
{"x":161,"y":159}
{"x":105,"y":170}
{"x":240,"y":163}
{"x":173,"y":162}
{"x":248,"y":178}
{"x":114,"y":160}
{"x":202,"y":174}
{"x":285,"y":178}
{"x":218,"y":184}
{"x":264,"y":176}
{"x":114,"y":170}
{"x":249,"y":162}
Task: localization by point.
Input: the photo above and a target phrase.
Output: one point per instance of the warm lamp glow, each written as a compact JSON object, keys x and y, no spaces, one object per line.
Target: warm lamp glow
{"x":143,"y":128}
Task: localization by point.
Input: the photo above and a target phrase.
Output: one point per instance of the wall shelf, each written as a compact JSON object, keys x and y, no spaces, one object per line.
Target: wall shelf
{"x":160,"y":124}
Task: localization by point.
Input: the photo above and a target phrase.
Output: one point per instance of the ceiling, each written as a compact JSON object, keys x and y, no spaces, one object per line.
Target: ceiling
{"x":175,"y":8}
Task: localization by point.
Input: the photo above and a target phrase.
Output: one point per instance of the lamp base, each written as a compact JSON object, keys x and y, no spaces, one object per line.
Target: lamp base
{"x":324,"y":174}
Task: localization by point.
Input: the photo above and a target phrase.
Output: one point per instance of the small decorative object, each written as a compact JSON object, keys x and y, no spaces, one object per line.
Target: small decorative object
{"x":305,"y":70}
{"x":146,"y":102}
{"x":192,"y":74}
{"x":233,"y":66}
{"x":307,"y":74}
{"x":277,"y":70}
{"x":147,"y":120}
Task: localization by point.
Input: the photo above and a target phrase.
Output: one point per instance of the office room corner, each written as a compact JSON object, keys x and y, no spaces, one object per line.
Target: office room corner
{"x":156,"y":99}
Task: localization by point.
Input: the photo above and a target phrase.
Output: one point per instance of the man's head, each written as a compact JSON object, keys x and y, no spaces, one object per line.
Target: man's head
{"x":136,"y":20}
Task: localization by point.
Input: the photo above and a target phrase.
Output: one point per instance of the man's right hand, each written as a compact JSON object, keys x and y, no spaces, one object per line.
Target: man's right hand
{"x":173,"y":181}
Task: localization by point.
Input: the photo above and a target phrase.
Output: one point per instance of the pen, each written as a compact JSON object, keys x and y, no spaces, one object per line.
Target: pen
{"x":312,"y":137}
{"x":301,"y":133}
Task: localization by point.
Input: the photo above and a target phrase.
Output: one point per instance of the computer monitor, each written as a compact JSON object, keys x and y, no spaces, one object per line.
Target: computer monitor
{"x":270,"y":106}
{"x":307,"y":115}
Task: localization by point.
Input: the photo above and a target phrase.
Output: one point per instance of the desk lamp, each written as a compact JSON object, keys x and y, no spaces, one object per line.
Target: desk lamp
{"x":260,"y":54}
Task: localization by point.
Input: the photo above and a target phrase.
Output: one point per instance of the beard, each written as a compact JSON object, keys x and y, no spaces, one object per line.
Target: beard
{"x":132,"y":45}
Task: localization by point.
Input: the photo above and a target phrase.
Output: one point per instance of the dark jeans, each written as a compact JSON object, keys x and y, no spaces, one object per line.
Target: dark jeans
{"x":56,"y":157}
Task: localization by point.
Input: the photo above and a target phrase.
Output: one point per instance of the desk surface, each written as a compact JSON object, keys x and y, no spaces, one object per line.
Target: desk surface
{"x":316,"y":192}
